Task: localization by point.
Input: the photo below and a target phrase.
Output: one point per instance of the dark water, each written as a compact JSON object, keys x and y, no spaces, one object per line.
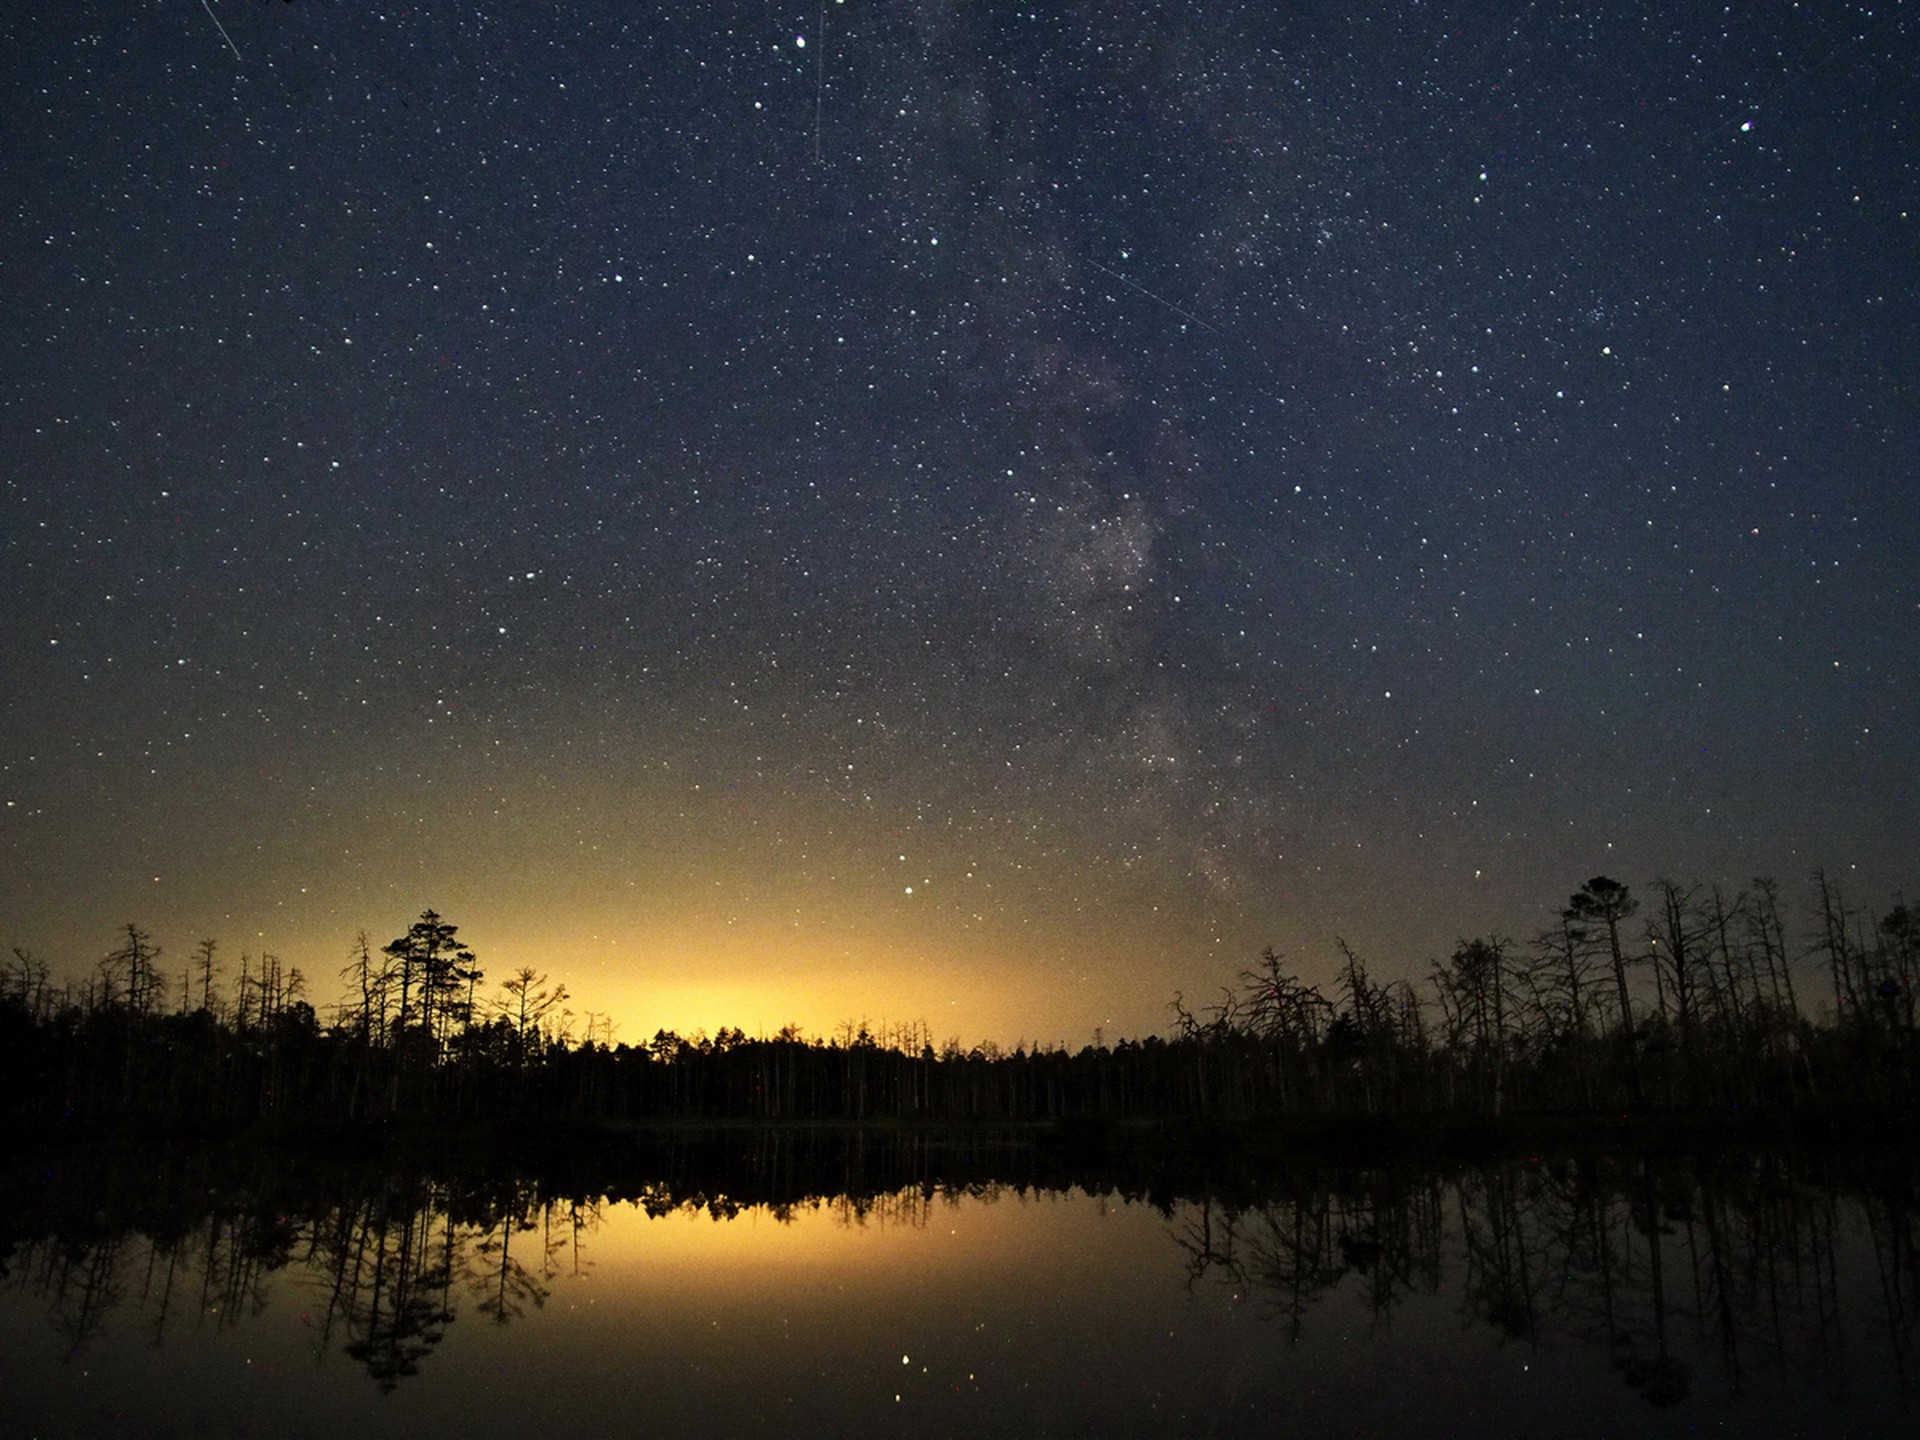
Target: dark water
{"x":1753,"y":1295}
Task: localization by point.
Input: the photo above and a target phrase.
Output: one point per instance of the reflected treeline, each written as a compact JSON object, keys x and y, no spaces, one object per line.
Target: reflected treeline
{"x":383,"y":1259}
{"x":1747,"y":1264}
{"x":380,"y":1263}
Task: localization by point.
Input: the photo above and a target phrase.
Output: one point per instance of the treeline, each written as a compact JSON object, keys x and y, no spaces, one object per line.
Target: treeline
{"x":1693,"y":999}
{"x":1688,"y":999}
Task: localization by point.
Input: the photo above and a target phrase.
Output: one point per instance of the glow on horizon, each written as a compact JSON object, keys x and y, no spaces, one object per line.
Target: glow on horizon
{"x":1016,"y":983}
{"x":757,"y":977}
{"x":673,"y":931}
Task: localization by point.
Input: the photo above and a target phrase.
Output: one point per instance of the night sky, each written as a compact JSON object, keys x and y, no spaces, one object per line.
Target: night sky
{"x":948,"y":512}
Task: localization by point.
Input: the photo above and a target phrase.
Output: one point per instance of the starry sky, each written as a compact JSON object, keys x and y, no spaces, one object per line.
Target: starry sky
{"x":970,"y":513}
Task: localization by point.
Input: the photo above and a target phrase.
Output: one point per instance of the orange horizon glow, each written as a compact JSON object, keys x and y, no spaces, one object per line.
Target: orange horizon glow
{"x":819,"y":923}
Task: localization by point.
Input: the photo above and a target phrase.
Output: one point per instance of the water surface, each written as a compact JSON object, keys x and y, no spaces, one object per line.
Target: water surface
{"x":1624,"y":1296}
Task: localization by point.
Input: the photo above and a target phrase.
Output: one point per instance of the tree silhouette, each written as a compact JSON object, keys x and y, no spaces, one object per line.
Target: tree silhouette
{"x":132,"y":972}
{"x":434,"y":970}
{"x":203,"y":954}
{"x":1473,"y":995}
{"x":1606,"y":903}
{"x":528,"y":998}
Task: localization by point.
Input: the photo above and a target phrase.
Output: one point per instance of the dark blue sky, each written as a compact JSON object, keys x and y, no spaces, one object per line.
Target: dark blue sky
{"x":988,"y":515}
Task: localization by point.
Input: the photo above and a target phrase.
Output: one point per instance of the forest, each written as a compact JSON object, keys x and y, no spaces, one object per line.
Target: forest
{"x":1685,"y":999}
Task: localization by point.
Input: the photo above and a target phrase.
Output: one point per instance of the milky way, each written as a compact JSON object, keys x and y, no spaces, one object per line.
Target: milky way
{"x":964,"y":513}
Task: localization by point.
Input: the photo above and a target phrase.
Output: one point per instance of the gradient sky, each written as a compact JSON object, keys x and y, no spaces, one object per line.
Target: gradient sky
{"x":948,"y":512}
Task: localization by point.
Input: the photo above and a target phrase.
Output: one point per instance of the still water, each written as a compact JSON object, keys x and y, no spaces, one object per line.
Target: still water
{"x":1619,"y":1296}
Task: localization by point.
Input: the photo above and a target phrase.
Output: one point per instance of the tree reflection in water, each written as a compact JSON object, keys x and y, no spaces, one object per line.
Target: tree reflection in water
{"x":397,"y":1257}
{"x":1751,"y":1263}
{"x":401,"y":1259}
{"x":1741,"y":1256}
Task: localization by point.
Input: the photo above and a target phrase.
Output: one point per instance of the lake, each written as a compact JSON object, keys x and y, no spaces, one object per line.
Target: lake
{"x":1750,"y":1294}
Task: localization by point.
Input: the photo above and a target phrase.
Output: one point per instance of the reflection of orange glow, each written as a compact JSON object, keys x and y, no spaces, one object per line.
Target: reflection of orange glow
{"x":692,"y":1250}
